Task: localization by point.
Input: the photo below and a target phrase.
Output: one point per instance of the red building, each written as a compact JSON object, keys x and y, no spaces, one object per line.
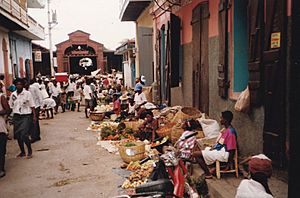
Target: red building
{"x":79,"y":54}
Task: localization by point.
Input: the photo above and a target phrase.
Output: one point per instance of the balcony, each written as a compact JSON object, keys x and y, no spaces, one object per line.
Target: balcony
{"x":14,"y":17}
{"x":130,"y":10}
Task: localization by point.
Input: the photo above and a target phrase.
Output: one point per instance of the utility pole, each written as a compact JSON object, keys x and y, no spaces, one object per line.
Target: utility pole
{"x":50,"y":23}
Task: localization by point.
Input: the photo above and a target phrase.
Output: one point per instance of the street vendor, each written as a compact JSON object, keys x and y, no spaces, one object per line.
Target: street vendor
{"x":224,"y":148}
{"x":139,"y":99}
{"x":116,"y":106}
{"x":148,"y":128}
{"x":260,"y":168}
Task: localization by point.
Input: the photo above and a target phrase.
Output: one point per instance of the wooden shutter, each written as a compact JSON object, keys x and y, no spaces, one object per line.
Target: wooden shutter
{"x":223,"y":49}
{"x":255,"y":40}
{"x":175,"y":46}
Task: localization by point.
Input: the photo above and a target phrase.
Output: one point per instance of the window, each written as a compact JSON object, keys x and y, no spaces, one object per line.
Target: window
{"x":239,"y":53}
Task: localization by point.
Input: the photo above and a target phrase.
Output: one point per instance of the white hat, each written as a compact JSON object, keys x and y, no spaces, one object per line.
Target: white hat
{"x":143,"y":79}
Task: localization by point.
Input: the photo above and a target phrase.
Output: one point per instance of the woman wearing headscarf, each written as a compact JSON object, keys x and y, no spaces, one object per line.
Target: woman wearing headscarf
{"x":260,"y":168}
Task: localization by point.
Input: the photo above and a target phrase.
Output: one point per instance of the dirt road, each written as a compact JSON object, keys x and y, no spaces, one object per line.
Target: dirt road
{"x":66,"y":163}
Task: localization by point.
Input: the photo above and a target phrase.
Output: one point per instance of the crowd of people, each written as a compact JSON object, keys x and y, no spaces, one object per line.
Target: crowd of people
{"x":30,"y":101}
{"x":25,"y":102}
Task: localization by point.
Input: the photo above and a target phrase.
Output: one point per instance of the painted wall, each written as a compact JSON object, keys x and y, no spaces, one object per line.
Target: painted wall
{"x":21,"y":50}
{"x":127,"y":73}
{"x":143,"y":41}
{"x":249,"y":127}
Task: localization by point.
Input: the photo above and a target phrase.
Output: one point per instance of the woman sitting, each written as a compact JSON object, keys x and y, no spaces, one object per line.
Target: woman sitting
{"x":148,"y":128}
{"x":223,"y":150}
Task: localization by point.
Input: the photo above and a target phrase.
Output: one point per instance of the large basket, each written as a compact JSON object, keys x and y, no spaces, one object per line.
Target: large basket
{"x":138,"y":150}
{"x":176,"y":133}
{"x":134,"y":125}
{"x":186,"y":113}
{"x":96,"y":116}
{"x":165,"y":130}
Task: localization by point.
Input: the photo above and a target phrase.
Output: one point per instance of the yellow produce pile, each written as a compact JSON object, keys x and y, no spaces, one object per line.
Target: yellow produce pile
{"x":140,"y":176}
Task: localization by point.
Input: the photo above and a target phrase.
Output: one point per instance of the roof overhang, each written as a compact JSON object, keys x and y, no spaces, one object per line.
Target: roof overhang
{"x":36,"y":3}
{"x":132,"y":9}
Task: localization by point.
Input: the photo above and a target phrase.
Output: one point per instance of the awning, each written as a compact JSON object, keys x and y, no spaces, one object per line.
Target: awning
{"x":96,"y":72}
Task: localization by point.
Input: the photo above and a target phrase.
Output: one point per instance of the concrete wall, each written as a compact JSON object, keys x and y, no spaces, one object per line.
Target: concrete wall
{"x":249,"y":127}
{"x":144,"y":40}
{"x":20,"y":47}
{"x":183,"y":95}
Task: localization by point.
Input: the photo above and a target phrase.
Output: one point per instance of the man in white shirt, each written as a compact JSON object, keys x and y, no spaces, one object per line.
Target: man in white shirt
{"x":38,"y":100}
{"x":22,"y":105}
{"x":139,"y":99}
{"x":88,"y":93}
{"x":260,"y":168}
{"x":70,"y":92}
{"x":55,"y":91}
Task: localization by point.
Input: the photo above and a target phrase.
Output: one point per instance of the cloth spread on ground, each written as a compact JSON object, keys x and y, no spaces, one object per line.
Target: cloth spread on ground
{"x":109,"y":146}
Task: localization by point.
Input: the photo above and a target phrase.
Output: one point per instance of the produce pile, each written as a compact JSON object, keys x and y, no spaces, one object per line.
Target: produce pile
{"x":116,"y":133}
{"x":140,"y":175}
{"x":103,"y":108}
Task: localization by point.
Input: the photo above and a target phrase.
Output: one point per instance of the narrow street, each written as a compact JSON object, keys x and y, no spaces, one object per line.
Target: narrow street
{"x":66,"y":163}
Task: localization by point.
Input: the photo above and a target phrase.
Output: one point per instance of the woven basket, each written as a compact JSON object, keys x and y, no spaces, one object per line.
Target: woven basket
{"x":186,"y":113}
{"x":176,"y":133}
{"x":96,"y":116}
{"x":165,"y":130}
{"x":134,"y":125}
{"x":138,"y":150}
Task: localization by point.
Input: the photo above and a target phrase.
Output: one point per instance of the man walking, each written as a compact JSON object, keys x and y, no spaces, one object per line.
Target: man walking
{"x":22,"y":105}
{"x":88,"y":95}
{"x":4,"y":111}
{"x":38,"y":100}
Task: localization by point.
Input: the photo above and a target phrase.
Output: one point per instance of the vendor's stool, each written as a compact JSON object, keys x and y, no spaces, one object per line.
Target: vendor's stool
{"x":235,"y":170}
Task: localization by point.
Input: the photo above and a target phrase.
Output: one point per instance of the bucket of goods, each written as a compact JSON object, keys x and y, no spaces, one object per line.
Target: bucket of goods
{"x":132,"y":151}
{"x":96,"y":116}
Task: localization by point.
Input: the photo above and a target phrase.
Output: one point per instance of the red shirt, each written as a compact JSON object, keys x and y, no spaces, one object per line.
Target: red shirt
{"x":117,"y":107}
{"x":105,"y":82}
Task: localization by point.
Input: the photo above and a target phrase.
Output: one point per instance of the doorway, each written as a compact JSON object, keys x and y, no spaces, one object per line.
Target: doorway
{"x":200,"y":82}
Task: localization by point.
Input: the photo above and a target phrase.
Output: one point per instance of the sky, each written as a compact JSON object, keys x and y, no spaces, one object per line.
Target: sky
{"x":100,"y":18}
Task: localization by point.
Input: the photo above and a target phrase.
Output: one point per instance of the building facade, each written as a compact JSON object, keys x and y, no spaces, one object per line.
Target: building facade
{"x":17,"y":30}
{"x":207,"y":52}
{"x":139,"y":12}
{"x":79,"y":54}
{"x":128,"y":63}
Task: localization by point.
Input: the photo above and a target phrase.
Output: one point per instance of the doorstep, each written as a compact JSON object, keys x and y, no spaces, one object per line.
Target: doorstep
{"x":226,"y":186}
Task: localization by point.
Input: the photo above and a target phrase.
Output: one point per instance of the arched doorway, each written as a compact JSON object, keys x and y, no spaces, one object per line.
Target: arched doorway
{"x":5,"y":60}
{"x":80,"y":59}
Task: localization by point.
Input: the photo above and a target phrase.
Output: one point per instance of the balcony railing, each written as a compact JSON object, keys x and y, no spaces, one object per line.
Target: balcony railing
{"x":16,"y":13}
{"x":14,"y":9}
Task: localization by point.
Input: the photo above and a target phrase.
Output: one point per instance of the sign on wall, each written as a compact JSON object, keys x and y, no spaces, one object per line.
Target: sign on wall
{"x":275,"y":40}
{"x":38,"y":56}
